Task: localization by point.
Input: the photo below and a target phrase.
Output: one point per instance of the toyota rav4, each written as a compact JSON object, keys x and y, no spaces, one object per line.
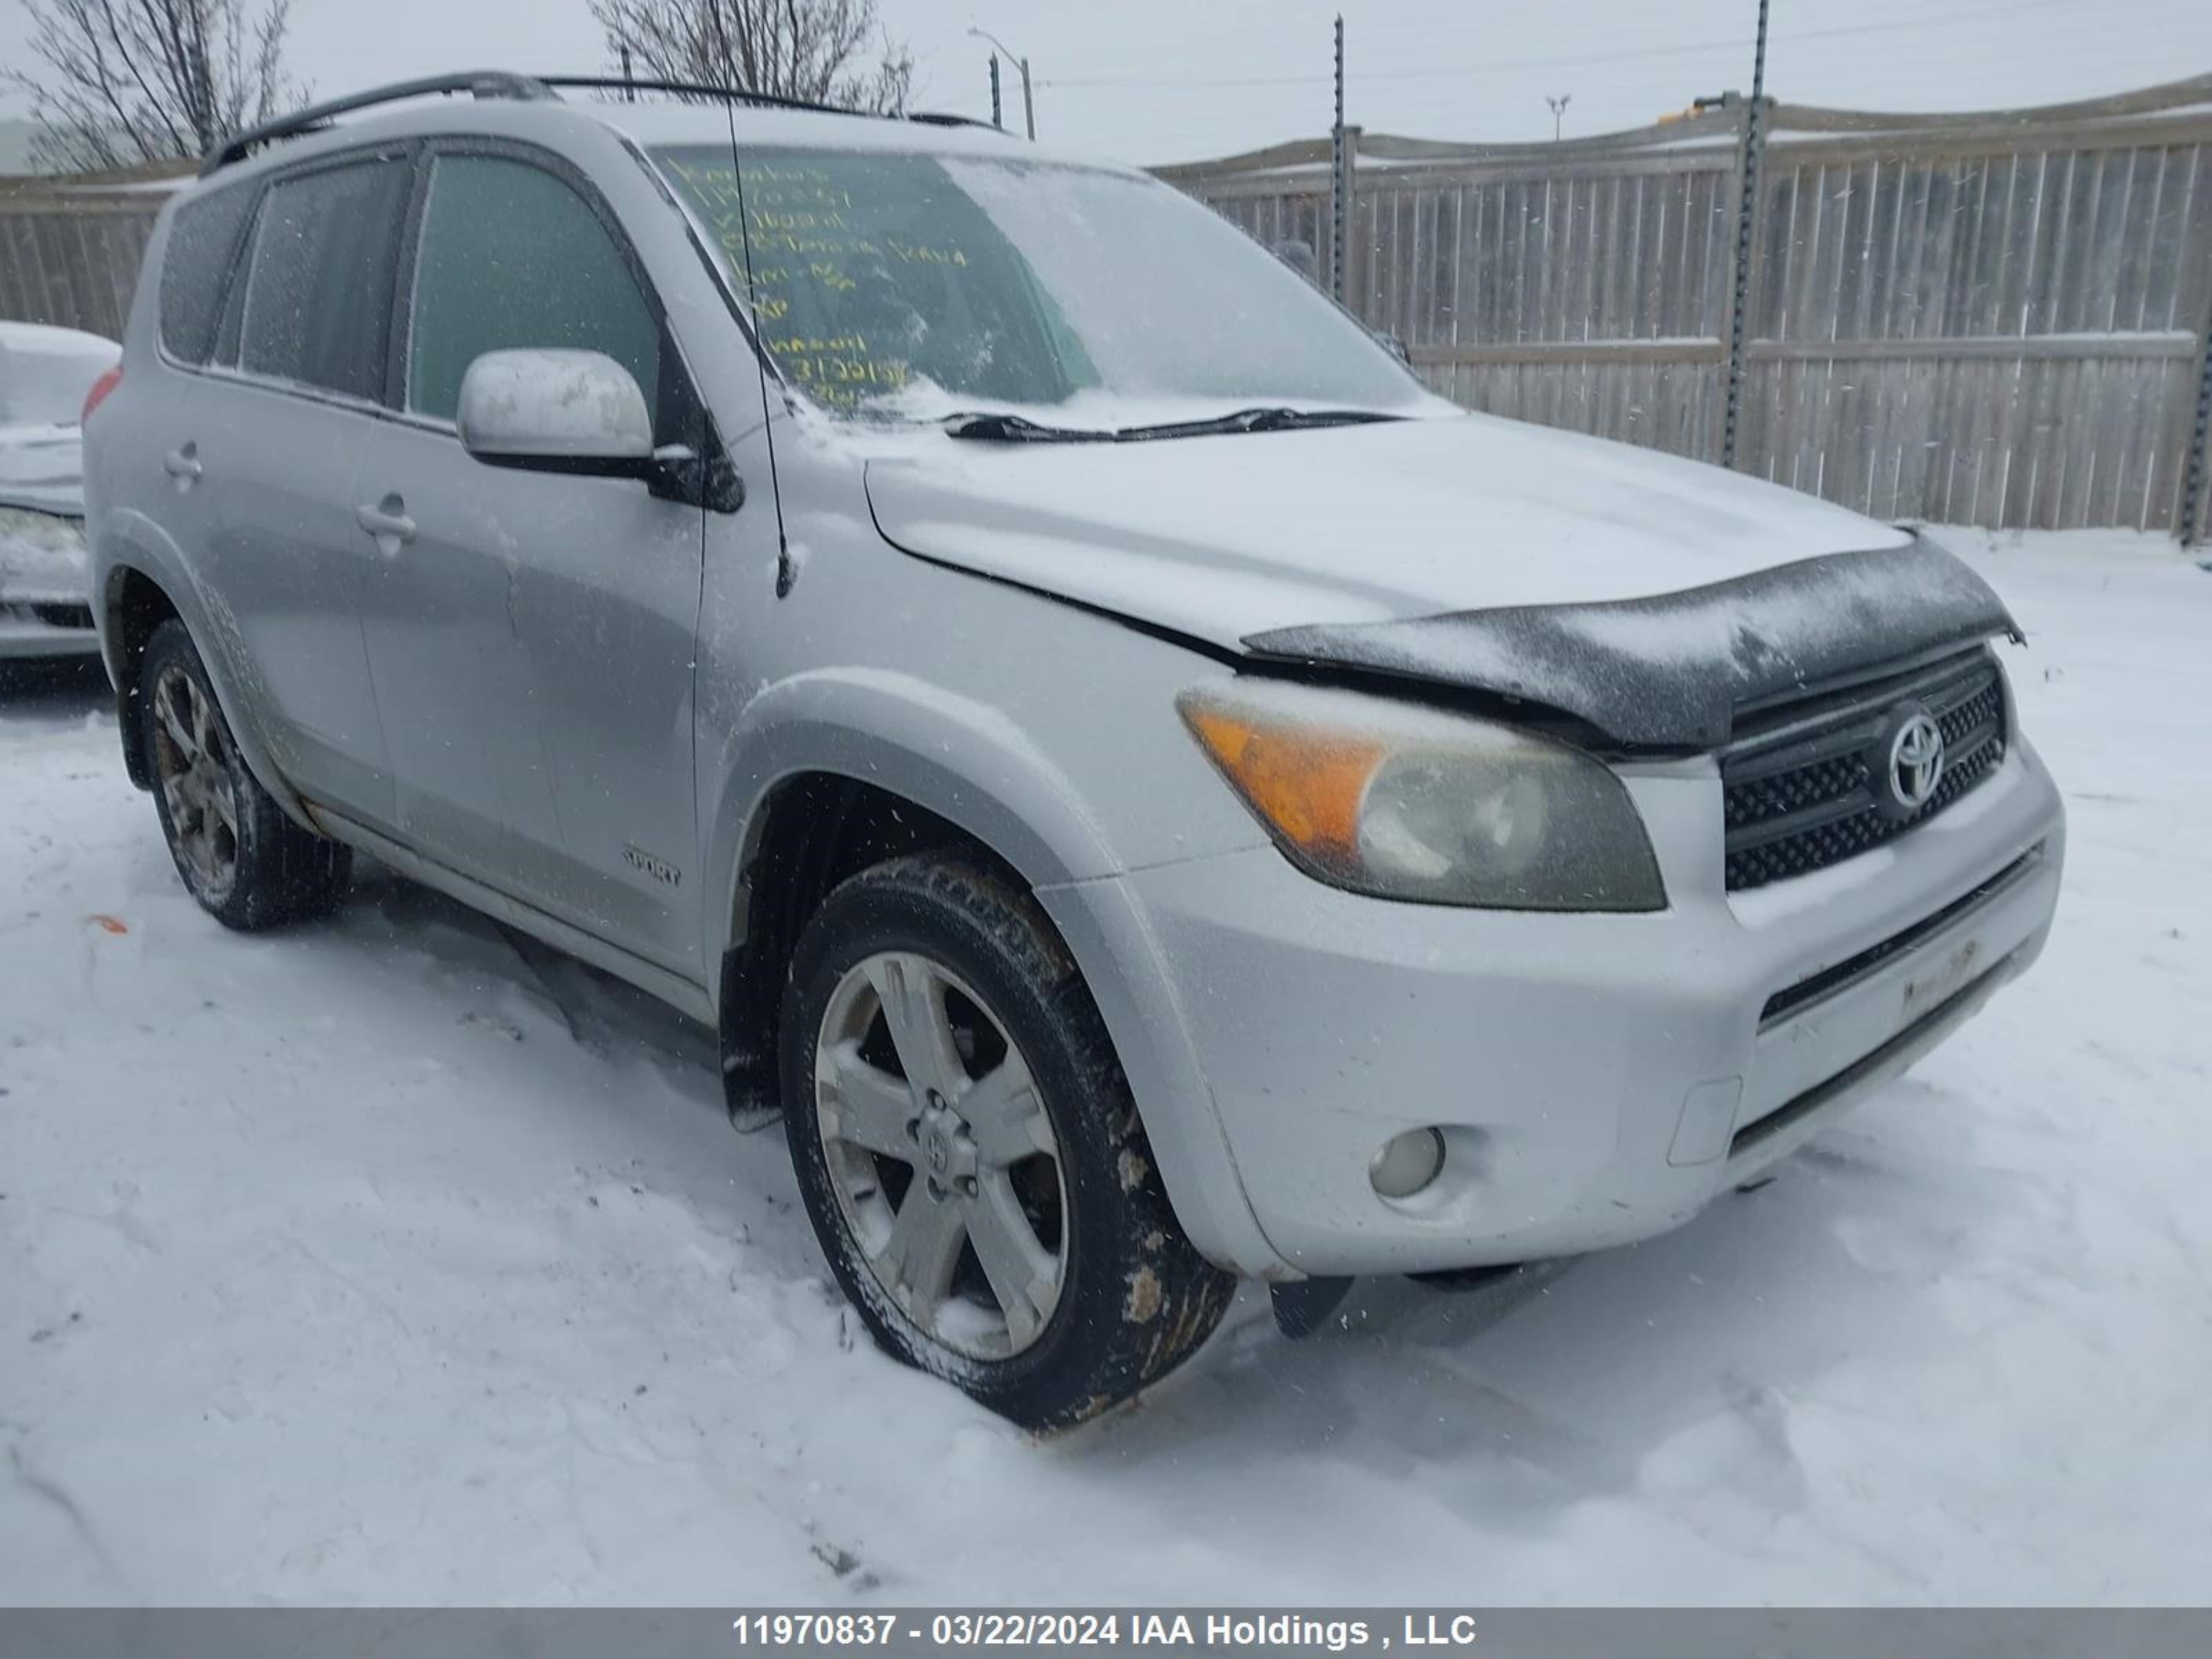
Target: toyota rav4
{"x":1155,"y":796}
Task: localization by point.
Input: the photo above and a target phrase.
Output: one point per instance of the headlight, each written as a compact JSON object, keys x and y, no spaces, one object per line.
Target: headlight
{"x":1403,"y":803}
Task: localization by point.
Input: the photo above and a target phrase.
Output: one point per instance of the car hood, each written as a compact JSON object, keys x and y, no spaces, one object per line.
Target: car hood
{"x":42,"y":468}
{"x":1645,"y":595}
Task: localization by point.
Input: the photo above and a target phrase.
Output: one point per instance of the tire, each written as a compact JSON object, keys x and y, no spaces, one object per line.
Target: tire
{"x":248,"y":865}
{"x":1127,"y":1298}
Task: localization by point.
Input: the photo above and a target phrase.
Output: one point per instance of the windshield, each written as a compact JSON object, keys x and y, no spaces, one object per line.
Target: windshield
{"x":921,"y":286}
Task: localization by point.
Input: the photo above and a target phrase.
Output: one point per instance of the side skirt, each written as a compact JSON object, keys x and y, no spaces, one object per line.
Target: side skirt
{"x":673,"y":989}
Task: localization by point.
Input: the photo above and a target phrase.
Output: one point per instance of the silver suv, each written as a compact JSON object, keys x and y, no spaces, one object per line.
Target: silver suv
{"x":1154,"y":795}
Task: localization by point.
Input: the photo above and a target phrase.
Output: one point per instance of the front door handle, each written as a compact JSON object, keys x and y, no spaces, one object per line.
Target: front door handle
{"x":387,"y":521}
{"x":183,"y":464}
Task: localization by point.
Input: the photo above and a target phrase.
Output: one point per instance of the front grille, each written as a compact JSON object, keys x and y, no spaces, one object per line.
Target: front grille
{"x":1849,"y":972}
{"x":1799,"y":781}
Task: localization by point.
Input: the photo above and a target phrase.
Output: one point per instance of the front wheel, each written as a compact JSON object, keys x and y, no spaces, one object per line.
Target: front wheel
{"x":969,"y":1153}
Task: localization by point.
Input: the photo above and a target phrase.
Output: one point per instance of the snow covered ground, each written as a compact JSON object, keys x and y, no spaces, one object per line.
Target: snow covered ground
{"x":394,"y":1259}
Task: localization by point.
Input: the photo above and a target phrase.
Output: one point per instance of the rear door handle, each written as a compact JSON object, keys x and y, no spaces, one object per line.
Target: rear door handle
{"x":387,"y":521}
{"x":183,"y":465}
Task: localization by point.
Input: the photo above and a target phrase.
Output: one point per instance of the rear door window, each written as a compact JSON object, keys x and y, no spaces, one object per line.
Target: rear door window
{"x":319,"y":293}
{"x":512,"y":256}
{"x":203,"y":248}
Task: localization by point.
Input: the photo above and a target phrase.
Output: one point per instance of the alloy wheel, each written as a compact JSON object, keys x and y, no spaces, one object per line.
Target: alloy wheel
{"x":946,"y":1169}
{"x":192,"y":763}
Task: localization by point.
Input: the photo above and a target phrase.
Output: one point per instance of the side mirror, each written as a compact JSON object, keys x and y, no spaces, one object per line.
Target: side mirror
{"x":555,"y":411}
{"x":547,"y":411}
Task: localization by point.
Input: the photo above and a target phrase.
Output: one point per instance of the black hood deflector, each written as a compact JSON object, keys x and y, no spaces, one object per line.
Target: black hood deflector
{"x":1671,"y":671}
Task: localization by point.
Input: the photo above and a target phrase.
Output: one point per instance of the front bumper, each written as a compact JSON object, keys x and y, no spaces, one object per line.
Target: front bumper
{"x":45,"y":585}
{"x":28,"y":631}
{"x":1597,"y":1079}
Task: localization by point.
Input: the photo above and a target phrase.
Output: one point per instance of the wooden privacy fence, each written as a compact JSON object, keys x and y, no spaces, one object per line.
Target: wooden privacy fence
{"x":1997,"y":319}
{"x":70,"y":248}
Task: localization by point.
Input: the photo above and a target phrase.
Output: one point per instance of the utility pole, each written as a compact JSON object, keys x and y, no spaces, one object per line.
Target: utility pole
{"x":1029,"y":103}
{"x":998,"y":119}
{"x":1559,"y":108}
{"x":1754,"y":134}
{"x":1339,"y":178}
{"x":629,"y":91}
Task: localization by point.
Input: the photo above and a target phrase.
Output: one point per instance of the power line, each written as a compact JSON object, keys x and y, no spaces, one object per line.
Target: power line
{"x":1108,"y":113}
{"x":1568,"y":60}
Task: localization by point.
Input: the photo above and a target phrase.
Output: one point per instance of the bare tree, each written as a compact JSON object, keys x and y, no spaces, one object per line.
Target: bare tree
{"x":132,"y":81}
{"x":828,"y":51}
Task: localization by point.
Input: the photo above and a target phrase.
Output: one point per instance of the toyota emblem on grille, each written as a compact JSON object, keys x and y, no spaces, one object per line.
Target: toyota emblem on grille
{"x":1908,"y":761}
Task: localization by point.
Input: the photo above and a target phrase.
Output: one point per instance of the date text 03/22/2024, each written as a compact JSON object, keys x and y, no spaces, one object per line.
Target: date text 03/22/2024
{"x":957,"y":1629}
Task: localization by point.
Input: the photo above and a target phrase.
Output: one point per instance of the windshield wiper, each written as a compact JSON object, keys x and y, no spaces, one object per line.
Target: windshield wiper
{"x":1015,"y":428}
{"x":1267,"y":418}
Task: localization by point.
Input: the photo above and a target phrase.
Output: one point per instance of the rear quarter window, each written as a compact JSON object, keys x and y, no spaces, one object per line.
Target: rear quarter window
{"x":202,"y":250}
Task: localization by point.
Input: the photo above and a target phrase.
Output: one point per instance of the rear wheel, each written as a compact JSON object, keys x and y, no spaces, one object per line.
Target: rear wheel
{"x":969,"y":1153}
{"x":246,"y":864}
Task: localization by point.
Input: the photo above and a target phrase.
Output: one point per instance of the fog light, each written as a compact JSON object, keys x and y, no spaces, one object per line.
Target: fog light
{"x":1405,"y":1163}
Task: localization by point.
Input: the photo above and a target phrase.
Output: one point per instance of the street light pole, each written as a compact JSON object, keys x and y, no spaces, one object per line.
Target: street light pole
{"x":1028,"y":104}
{"x":1559,"y":108}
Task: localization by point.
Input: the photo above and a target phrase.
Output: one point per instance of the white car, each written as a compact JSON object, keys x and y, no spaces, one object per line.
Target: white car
{"x":46,"y":374}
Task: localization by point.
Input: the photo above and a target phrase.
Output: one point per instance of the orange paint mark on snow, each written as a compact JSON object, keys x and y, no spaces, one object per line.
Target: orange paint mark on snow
{"x":110,"y":923}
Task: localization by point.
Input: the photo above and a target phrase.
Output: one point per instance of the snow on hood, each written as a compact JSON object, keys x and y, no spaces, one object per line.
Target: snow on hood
{"x":1223,"y":538}
{"x":42,"y":558}
{"x":42,"y":549}
{"x":1633,"y":590}
{"x":42,"y":468}
{"x":45,"y":373}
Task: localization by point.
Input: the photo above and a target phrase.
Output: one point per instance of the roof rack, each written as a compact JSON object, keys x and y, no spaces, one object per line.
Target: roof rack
{"x":527,"y":88}
{"x":690,"y":89}
{"x":764,"y":100}
{"x":482,"y":83}
{"x":934,"y":117}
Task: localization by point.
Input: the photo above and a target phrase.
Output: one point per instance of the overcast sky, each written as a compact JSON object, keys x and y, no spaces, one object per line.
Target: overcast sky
{"x":1155,"y":81}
